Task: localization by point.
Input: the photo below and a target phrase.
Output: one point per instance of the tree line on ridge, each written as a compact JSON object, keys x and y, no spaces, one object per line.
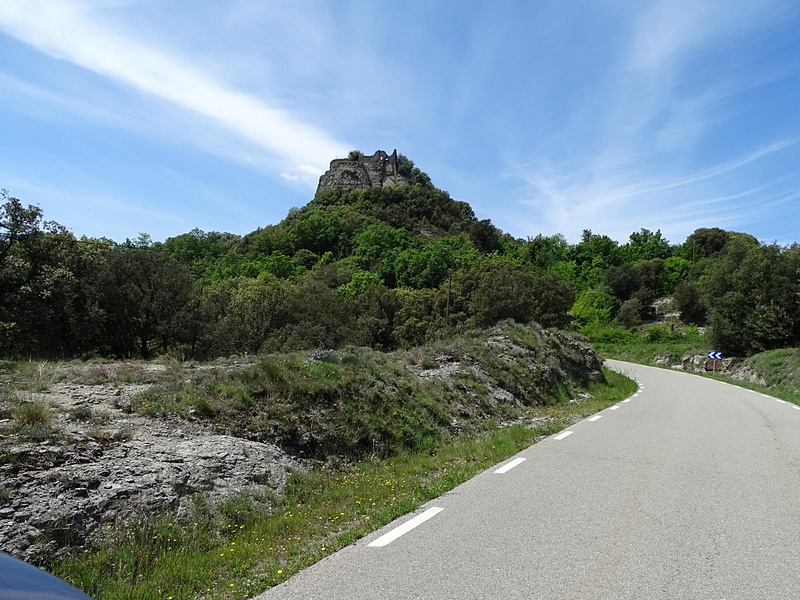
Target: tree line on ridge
{"x":386,"y":268}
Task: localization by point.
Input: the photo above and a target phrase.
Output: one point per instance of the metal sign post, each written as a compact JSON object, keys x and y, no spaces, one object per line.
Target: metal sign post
{"x":715,"y":356}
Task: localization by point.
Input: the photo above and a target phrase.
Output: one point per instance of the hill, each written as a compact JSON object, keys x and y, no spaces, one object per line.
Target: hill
{"x":386,"y":261}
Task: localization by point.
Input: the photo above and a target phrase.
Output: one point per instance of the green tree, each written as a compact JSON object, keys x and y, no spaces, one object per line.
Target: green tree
{"x":592,"y":256}
{"x":144,"y":292}
{"x":417,"y":320}
{"x":676,"y":269}
{"x":266,"y":240}
{"x":321,"y":316}
{"x":46,"y":307}
{"x":689,"y":301}
{"x":752,"y":295}
{"x":18,"y":224}
{"x":552,"y":300}
{"x":319,"y":233}
{"x":594,"y":307}
{"x":505,"y":290}
{"x":355,"y":155}
{"x":431,"y":265}
{"x":377,"y":248}
{"x":630,"y":313}
{"x":544,"y":252}
{"x":374,"y":309}
{"x":200,"y":250}
{"x":484,"y":236}
{"x":622,"y":281}
{"x":252,"y":312}
{"x":360,"y":283}
{"x":645,"y":245}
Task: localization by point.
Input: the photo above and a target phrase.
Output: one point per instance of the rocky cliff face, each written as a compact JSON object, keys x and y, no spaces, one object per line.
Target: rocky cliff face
{"x":378,"y":170}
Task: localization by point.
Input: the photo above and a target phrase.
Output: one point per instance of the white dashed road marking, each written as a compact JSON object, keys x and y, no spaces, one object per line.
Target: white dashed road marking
{"x":506,"y":468}
{"x":562,"y":435}
{"x":403,"y":529}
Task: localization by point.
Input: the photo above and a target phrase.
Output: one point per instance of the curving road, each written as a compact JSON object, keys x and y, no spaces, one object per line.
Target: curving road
{"x":690,"y":489}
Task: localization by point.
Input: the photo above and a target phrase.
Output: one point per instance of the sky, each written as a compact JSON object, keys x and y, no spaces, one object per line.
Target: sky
{"x":121,"y":117}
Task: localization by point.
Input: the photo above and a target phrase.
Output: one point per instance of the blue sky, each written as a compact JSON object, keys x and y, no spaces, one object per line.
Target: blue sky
{"x":126,"y":116}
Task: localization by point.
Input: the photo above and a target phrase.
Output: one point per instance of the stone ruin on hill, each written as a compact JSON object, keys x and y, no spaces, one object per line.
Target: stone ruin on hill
{"x":378,"y":170}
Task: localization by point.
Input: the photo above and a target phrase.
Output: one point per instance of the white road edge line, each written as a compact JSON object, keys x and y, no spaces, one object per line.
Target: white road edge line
{"x":506,"y":468}
{"x":796,"y":407}
{"x":596,"y":417}
{"x":615,"y":407}
{"x":562,"y":435}
{"x":403,"y":529}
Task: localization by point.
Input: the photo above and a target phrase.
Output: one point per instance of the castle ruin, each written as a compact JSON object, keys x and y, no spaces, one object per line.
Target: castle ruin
{"x":378,"y":170}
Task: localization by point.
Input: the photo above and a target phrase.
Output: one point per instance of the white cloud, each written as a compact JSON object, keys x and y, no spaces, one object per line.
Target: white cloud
{"x":615,"y":198}
{"x":69,"y":31}
{"x":666,"y":31}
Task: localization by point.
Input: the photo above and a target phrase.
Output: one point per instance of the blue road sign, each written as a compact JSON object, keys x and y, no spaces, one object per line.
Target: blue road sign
{"x":715,"y":355}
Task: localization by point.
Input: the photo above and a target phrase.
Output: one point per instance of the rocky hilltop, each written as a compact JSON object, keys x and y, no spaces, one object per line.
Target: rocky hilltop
{"x":360,"y":171}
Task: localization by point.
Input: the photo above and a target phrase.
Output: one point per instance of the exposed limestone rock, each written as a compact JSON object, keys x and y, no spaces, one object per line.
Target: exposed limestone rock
{"x":700,"y":363}
{"x":559,"y":357}
{"x":735,"y":368}
{"x":378,"y":170}
{"x":58,"y":492}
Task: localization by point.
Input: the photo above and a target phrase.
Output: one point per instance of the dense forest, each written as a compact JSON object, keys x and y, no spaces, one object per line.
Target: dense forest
{"x":379,"y":267}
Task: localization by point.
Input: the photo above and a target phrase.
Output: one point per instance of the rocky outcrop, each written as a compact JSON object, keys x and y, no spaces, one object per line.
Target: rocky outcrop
{"x":735,"y":368}
{"x":701,"y":363}
{"x":551,"y":358}
{"x":376,"y":171}
{"x":58,"y":492}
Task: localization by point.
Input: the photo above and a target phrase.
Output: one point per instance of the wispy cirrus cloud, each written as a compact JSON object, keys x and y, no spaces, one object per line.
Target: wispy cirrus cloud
{"x":73,"y":32}
{"x":616,"y":199}
{"x":666,"y":147}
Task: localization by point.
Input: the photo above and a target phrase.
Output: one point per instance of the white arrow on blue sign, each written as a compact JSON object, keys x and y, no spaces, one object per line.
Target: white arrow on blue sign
{"x":715,"y":355}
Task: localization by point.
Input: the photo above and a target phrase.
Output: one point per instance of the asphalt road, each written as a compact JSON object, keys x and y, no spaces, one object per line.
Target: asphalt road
{"x":688,"y":489}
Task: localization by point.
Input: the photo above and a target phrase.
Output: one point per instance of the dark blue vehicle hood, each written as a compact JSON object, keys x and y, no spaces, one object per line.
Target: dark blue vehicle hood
{"x":22,"y":581}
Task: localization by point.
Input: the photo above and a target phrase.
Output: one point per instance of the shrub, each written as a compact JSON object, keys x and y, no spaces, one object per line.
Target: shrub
{"x":33,"y":420}
{"x":80,"y":413}
{"x":32,"y":413}
{"x":630,"y":313}
{"x":608,"y":335}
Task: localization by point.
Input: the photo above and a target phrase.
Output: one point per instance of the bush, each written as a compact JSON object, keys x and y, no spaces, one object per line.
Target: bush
{"x":630,"y":313}
{"x":662,"y":333}
{"x":608,"y":335}
{"x":32,"y":413}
